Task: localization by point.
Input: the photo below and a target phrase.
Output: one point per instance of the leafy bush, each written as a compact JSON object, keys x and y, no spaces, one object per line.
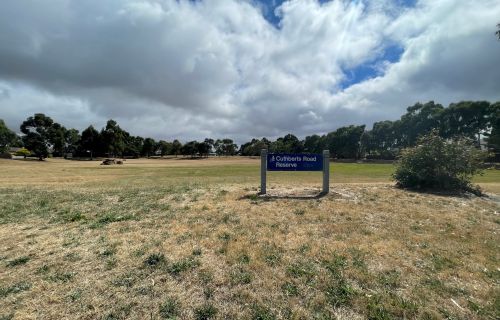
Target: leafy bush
{"x":23,"y":152}
{"x":439,"y":164}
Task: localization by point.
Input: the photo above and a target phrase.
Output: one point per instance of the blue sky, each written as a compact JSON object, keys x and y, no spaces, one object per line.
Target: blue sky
{"x":371,"y":69}
{"x":271,"y":5}
{"x":390,"y":53}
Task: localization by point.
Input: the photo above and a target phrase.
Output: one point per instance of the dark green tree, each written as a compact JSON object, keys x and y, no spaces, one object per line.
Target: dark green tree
{"x":57,"y":138}
{"x":190,"y":149}
{"x":345,"y":142}
{"x":225,"y":147}
{"x":466,"y":118}
{"x":382,"y":141}
{"x":287,"y":144}
{"x":149,"y":147}
{"x":493,"y":137}
{"x":72,"y":140}
{"x":176,"y":147}
{"x":89,"y":141}
{"x":254,"y":147}
{"x":113,"y":139}
{"x":164,"y":147}
{"x":314,"y":144}
{"x":419,"y":120}
{"x":292,"y":143}
{"x":7,"y":137}
{"x":38,"y":134}
{"x":211,"y":144}
{"x":133,"y":145}
{"x":203,"y":148}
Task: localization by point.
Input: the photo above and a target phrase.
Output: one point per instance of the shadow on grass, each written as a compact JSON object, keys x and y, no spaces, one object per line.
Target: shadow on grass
{"x":446,"y":193}
{"x":272,"y":197}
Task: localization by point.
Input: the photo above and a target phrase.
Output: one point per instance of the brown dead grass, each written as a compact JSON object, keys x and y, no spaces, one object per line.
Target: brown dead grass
{"x":443,"y":249}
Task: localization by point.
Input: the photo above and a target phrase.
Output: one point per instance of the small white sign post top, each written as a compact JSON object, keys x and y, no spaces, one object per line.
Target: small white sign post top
{"x":295,"y":162}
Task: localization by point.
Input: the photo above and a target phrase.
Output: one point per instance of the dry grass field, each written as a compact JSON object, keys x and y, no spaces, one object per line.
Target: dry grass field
{"x":190,"y":239}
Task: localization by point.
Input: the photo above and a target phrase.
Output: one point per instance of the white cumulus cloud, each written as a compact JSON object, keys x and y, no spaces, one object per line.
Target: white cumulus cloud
{"x":193,"y":69}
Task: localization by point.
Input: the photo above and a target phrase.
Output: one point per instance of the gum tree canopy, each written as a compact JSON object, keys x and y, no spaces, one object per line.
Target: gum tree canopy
{"x":39,"y":134}
{"x":7,"y":137}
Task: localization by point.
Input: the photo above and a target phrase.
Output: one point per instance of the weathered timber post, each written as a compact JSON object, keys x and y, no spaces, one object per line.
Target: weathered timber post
{"x":263,"y":170}
{"x":326,"y":171}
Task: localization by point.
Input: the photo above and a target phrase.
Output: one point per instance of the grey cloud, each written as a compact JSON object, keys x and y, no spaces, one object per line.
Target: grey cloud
{"x":182,"y":69}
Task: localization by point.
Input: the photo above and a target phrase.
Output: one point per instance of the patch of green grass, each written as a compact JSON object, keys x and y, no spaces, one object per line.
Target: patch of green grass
{"x":72,"y":216}
{"x":75,"y":295}
{"x":110,"y":218}
{"x":9,"y":316}
{"x":225,"y":236}
{"x":110,"y":263}
{"x":336,"y":264}
{"x":299,"y":212}
{"x":183,"y":265}
{"x":170,"y":309}
{"x":18,"y":261}
{"x":302,"y":269}
{"x":272,"y":254}
{"x":206,"y":311}
{"x":253,"y":197}
{"x":43,"y":269}
{"x":339,"y":293}
{"x":244,"y":258}
{"x":441,"y":288}
{"x":155,"y":259}
{"x":240,"y":275}
{"x":358,"y":259}
{"x":208,"y":292}
{"x":205,"y":276}
{"x":108,"y":252}
{"x":440,"y":263}
{"x":60,"y":276}
{"x":391,"y":306}
{"x":290,"y":289}
{"x":389,"y":279}
{"x":126,"y":280}
{"x":72,"y":257}
{"x":119,"y":312}
{"x":261,"y":312}
{"x":15,"y":288}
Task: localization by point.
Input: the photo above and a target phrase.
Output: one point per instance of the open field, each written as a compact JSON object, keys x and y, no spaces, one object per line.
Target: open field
{"x":189,"y":239}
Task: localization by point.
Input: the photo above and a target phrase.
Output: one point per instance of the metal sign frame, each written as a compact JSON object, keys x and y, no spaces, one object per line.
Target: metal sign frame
{"x":264,"y":169}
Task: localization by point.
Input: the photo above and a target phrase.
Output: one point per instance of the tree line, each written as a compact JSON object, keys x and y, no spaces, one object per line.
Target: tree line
{"x":42,"y":136}
{"x":476,"y":120}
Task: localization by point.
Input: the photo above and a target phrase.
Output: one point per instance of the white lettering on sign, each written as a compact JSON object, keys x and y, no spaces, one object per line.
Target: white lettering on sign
{"x":294,"y":159}
{"x":307,"y":158}
{"x":286,"y":165}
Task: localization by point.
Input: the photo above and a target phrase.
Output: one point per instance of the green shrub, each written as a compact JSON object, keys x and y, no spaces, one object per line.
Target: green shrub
{"x":23,"y":152}
{"x":439,"y":164}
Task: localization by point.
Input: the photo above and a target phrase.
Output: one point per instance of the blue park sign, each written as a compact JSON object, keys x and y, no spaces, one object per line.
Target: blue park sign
{"x":294,"y":162}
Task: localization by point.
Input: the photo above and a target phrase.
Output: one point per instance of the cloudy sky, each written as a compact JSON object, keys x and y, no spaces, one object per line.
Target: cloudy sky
{"x":215,"y":68}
